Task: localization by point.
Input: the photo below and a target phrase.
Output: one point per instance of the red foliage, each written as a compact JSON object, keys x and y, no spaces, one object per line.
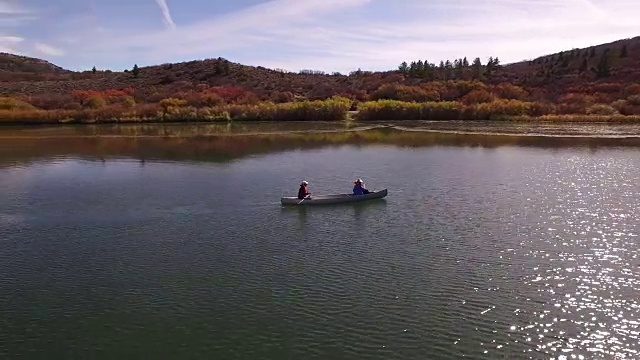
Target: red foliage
{"x":575,"y":103}
{"x":213,"y":82}
{"x":110,"y":96}
{"x":230,"y":94}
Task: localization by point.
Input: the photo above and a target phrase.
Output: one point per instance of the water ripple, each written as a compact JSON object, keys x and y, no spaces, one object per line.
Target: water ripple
{"x":476,"y":253}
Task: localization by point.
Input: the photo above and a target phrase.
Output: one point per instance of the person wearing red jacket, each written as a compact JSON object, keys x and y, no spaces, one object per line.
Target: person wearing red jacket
{"x":303,"y":192}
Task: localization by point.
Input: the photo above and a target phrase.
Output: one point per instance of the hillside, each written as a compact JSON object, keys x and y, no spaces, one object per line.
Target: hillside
{"x":603,"y":79}
{"x":555,"y":72}
{"x":15,"y":67}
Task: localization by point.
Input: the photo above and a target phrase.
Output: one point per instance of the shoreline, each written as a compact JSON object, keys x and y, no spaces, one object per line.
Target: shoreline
{"x":337,"y":110}
{"x":559,"y":119}
{"x":283,"y":130}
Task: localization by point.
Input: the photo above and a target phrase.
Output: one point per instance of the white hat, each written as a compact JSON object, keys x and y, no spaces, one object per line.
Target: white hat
{"x":305,"y":182}
{"x":359,"y":180}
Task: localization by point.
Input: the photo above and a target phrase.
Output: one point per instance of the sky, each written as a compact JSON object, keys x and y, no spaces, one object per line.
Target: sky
{"x":327,"y":35}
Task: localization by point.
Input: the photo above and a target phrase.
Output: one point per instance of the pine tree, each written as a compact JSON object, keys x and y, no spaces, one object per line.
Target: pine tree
{"x":94,"y":70}
{"x":404,"y":67}
{"x":419,"y":68}
{"x":477,"y":68}
{"x":624,"y":52}
{"x":603,"y":67}
{"x":135,"y":71}
{"x":584,"y":66}
{"x":413,"y":69}
{"x":490,"y":66}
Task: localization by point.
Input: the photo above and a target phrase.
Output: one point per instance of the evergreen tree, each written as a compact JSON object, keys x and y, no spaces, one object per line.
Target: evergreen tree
{"x":404,"y":67}
{"x":584,"y":66}
{"x":624,"y":51}
{"x":420,"y":68}
{"x":429,"y":70}
{"x":490,"y":66}
{"x":135,"y":71}
{"x":94,"y":70}
{"x":448,"y":68}
{"x":413,"y":69}
{"x":477,"y":68}
{"x":603,"y":67}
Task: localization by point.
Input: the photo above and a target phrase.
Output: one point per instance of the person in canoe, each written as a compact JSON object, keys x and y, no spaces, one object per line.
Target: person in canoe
{"x":303,"y":192}
{"x":359,"y":188}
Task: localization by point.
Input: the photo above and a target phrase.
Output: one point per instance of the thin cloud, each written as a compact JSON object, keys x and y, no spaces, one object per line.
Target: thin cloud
{"x":9,"y":44}
{"x":166,"y":14}
{"x":343,"y":35}
{"x":11,"y":8}
{"x":48,"y":50}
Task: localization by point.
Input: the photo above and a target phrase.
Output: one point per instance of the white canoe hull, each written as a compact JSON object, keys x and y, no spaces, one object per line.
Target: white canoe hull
{"x":334,"y":199}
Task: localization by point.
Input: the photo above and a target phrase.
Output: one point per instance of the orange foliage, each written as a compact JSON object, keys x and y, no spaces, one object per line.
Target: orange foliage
{"x":478,"y":96}
{"x":510,"y":91}
{"x":404,"y":93}
{"x":575,"y":103}
{"x":633,"y":89}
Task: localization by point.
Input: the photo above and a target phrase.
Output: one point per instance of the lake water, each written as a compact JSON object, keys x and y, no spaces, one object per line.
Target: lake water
{"x":116,"y":247}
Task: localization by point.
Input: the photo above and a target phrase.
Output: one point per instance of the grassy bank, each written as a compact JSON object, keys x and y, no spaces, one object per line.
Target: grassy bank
{"x":174,"y":110}
{"x":505,"y":110}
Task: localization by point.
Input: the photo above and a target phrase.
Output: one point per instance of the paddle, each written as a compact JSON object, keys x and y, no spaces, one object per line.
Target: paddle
{"x":303,"y":199}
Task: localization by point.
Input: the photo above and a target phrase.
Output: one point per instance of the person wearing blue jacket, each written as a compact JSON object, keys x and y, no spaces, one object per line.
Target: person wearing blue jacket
{"x":358,"y":188}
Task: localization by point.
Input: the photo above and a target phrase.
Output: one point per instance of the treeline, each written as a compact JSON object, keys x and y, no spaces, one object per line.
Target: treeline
{"x":457,"y":69}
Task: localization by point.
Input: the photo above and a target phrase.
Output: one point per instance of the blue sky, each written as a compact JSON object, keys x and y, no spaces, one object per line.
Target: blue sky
{"x":329,"y":35}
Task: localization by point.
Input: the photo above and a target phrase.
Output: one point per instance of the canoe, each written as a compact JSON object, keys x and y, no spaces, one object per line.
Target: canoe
{"x":334,"y":199}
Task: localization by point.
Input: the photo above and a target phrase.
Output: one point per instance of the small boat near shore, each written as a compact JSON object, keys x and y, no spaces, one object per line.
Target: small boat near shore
{"x":334,"y":199}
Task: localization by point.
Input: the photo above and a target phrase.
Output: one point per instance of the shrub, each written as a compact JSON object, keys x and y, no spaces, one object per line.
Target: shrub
{"x":633,"y":89}
{"x":601,"y":109}
{"x":399,"y":110}
{"x":510,"y":91}
{"x":634,"y":100}
{"x":404,"y":93}
{"x":7,"y":103}
{"x":94,"y":102}
{"x":478,"y":96}
{"x":171,"y":104}
{"x":573,"y":103}
{"x":501,"y":108}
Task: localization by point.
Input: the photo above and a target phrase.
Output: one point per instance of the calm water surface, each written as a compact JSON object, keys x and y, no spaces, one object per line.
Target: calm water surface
{"x":508,"y":252}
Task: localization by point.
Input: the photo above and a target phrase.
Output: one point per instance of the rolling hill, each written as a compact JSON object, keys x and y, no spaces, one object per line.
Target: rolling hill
{"x":602,"y":80}
{"x":616,"y":62}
